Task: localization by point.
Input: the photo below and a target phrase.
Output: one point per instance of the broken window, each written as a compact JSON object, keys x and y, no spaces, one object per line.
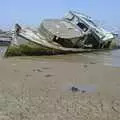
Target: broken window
{"x":75,"y":20}
{"x":82,"y":26}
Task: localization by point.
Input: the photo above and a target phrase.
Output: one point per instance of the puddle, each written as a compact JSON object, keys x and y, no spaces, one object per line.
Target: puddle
{"x":82,"y":88}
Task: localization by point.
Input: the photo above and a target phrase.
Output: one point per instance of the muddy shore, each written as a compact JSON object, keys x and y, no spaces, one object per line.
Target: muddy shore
{"x":40,"y":89}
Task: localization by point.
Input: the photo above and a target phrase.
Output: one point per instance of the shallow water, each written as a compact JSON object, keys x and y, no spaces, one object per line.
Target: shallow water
{"x":109,"y":57}
{"x":115,"y":58}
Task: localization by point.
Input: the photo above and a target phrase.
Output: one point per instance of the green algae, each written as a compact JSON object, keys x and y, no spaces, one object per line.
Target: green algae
{"x":30,"y":49}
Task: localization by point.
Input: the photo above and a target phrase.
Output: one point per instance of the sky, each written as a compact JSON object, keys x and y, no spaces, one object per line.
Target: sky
{"x":32,"y":12}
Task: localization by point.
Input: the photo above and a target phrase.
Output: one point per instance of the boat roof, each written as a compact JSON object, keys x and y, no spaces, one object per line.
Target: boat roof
{"x":62,"y":28}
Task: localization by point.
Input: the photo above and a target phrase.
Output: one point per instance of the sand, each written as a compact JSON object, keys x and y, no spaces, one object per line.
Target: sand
{"x":40,"y":89}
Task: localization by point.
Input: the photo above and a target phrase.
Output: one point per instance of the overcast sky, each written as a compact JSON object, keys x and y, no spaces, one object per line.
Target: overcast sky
{"x":31,"y":12}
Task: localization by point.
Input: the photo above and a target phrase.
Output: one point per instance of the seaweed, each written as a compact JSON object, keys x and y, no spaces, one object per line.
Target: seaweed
{"x":30,"y":49}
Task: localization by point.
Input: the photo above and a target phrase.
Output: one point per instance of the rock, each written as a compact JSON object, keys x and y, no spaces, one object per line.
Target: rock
{"x":75,"y":89}
{"x":85,"y":66}
{"x":37,"y":70}
{"x":48,"y":75}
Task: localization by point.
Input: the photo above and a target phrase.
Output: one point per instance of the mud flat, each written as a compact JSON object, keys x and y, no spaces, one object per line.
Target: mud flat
{"x":58,"y":89}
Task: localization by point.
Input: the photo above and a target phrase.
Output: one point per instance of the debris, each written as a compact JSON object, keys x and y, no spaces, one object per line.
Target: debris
{"x":37,"y":70}
{"x":92,"y":62}
{"x":28,"y":75}
{"x":75,"y":89}
{"x":15,"y":70}
{"x":83,"y":88}
{"x":45,"y":68}
{"x":48,"y":75}
{"x":85,"y":65}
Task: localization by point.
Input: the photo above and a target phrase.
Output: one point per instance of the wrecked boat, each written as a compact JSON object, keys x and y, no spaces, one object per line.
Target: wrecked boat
{"x":74,"y":32}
